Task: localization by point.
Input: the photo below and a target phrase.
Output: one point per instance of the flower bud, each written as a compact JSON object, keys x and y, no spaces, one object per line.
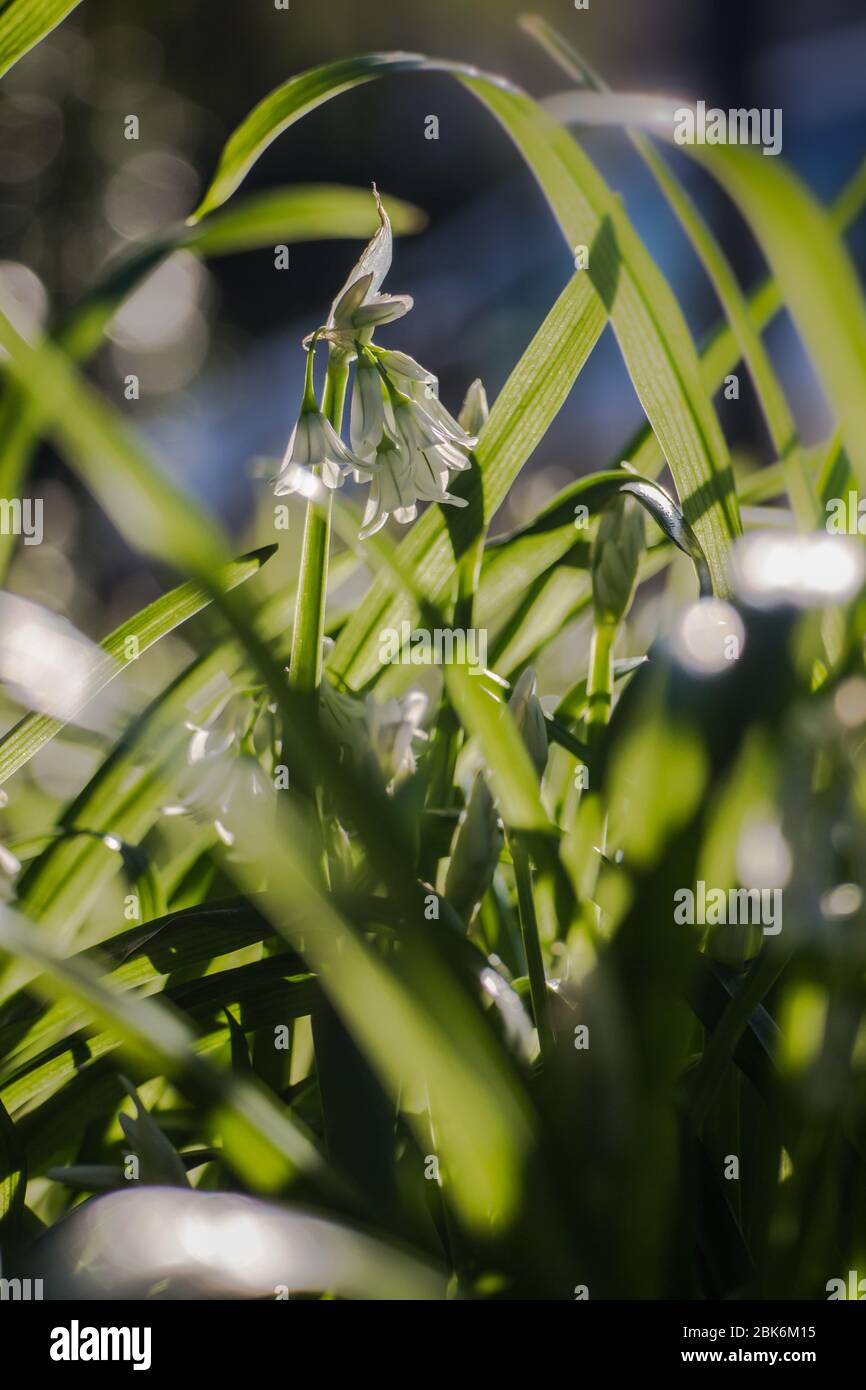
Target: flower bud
{"x":615,"y":555}
{"x":474,"y":850}
{"x":474,"y":410}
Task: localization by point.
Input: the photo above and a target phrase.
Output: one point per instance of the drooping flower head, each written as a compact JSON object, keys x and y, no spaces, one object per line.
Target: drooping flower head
{"x":404,"y":442}
{"x":314,"y":445}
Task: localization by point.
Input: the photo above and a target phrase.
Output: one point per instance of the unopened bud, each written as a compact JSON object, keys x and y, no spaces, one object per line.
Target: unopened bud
{"x":474,"y":410}
{"x":528,"y":715}
{"x":615,"y":556}
{"x":474,"y":850}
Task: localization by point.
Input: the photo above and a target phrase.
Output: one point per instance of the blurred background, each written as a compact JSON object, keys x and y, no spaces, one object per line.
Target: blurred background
{"x":216,"y":345}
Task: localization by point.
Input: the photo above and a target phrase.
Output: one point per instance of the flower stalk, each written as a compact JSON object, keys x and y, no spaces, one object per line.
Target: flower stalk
{"x":538,"y":992}
{"x":309,"y":626}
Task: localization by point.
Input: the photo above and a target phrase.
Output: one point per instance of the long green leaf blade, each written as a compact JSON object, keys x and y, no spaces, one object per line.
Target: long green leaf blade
{"x":24,"y":22}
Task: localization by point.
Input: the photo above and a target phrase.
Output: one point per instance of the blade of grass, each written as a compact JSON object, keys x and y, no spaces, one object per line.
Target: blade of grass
{"x":24,"y":22}
{"x":261,"y":1139}
{"x":771,"y":398}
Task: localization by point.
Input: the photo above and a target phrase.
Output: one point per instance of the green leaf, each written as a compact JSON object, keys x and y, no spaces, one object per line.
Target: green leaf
{"x":147,"y":508}
{"x":13,"y":1177}
{"x":303,"y":212}
{"x":134,"y":636}
{"x":24,"y":22}
{"x":261,"y":1139}
{"x":649,"y":325}
{"x":258,"y":989}
{"x":721,"y":351}
{"x":288,"y":103}
{"x":815,"y":274}
{"x":147,"y":955}
{"x":780,"y":421}
{"x":159,"y":1160}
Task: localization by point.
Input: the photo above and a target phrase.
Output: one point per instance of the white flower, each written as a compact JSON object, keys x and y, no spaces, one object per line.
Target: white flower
{"x":409,"y":467}
{"x":392,"y":487}
{"x":314,"y":445}
{"x":393,"y":727}
{"x":359,"y":307}
{"x":366,"y":729}
{"x":222,"y":774}
{"x":368,"y":409}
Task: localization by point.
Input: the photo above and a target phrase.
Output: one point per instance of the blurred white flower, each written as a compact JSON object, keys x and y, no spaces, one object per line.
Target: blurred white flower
{"x":9,"y":865}
{"x":222,"y":773}
{"x":366,"y":729}
{"x":393,"y":727}
{"x":528,"y":714}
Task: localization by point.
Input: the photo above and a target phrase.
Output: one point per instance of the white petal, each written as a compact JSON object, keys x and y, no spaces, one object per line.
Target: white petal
{"x":349,"y":302}
{"x":444,"y":420}
{"x":368,"y":411}
{"x":384,"y":308}
{"x":401,"y":364}
{"x":9,"y":865}
{"x":375,"y":261}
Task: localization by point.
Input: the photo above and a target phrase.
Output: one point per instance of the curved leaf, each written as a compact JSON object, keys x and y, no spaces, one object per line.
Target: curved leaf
{"x":24,"y":22}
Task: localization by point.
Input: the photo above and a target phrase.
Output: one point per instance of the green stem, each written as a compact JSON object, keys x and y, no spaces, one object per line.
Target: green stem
{"x":599,"y":697}
{"x":305,"y":669}
{"x":599,"y":684}
{"x":448,"y":735}
{"x":532,"y":947}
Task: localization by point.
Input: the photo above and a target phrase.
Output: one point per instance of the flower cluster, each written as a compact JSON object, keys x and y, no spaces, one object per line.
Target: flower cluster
{"x":403,"y":441}
{"x":222,"y":770}
{"x":375,"y":734}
